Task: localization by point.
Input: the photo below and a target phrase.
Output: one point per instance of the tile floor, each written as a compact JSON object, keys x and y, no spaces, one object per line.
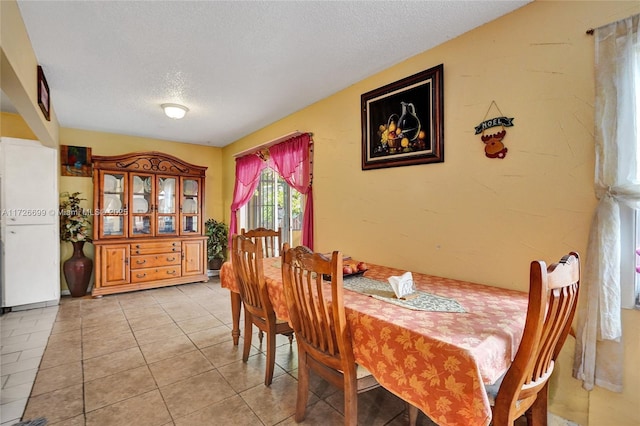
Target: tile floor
{"x":157,"y":357}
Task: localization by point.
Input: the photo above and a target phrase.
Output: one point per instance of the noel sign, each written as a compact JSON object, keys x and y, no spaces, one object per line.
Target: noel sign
{"x":493,"y":145}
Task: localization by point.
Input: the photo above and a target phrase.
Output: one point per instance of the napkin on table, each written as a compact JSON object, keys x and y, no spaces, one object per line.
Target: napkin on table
{"x":403,"y":285}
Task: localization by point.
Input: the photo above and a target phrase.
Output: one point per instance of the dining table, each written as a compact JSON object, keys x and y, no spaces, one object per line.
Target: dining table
{"x":438,"y":357}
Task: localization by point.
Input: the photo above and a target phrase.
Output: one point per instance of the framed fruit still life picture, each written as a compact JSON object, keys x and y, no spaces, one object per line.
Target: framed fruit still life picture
{"x":403,"y":122}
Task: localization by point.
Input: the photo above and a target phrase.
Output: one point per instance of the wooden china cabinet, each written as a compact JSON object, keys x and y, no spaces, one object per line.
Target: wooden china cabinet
{"x":148,"y":222}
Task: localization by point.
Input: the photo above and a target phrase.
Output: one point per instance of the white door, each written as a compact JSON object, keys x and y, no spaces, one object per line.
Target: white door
{"x":31,"y":272}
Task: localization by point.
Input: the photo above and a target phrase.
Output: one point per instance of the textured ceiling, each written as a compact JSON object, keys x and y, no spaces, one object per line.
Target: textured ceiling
{"x":238,"y":66}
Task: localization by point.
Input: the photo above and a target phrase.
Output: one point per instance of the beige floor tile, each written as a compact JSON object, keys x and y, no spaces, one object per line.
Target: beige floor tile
{"x":104,"y":320}
{"x":74,"y":421}
{"x":58,"y":355}
{"x":211,"y":336}
{"x":72,"y":337}
{"x":275,"y":403}
{"x":225,"y":353}
{"x":97,"y":347}
{"x":147,"y":409}
{"x":105,"y":331}
{"x":245,"y":375}
{"x":117,"y":387}
{"x":64,"y":326}
{"x":137,"y":311}
{"x":168,"y":348}
{"x":232,"y":411}
{"x":199,"y":323}
{"x":177,"y":368}
{"x":56,"y":406}
{"x":112,"y":363}
{"x":196,"y":392}
{"x":150,"y":321}
{"x":157,"y":332}
{"x":184,"y":310}
{"x":58,"y":377}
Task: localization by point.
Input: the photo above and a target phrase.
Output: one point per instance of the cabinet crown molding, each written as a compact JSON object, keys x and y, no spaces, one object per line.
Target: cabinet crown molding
{"x":150,"y":162}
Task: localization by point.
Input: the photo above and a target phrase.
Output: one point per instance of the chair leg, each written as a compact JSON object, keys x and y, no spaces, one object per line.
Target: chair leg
{"x":537,"y":413}
{"x":350,"y":402}
{"x":303,"y":386}
{"x":248,"y":331}
{"x":271,"y":357}
{"x":260,"y":336}
{"x":290,"y":336}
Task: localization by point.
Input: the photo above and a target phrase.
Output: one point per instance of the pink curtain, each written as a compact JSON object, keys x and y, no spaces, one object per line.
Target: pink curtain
{"x":291,"y":160}
{"x":248,"y":170}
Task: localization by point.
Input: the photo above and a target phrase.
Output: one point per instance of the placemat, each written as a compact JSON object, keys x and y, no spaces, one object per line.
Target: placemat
{"x":423,"y":301}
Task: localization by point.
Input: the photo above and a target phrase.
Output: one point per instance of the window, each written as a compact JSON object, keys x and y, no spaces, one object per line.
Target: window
{"x":274,"y":205}
{"x":630,"y":221}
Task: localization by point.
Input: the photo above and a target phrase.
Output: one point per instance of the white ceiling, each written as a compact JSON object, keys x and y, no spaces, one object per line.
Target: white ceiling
{"x":237,"y":65}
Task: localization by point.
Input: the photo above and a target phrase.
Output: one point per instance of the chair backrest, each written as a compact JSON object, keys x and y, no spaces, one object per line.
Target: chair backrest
{"x":316,"y":307}
{"x":553,"y":296}
{"x":246,"y":257}
{"x":271,"y":240}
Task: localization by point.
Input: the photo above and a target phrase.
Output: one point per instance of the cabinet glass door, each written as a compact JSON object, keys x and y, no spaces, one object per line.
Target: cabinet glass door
{"x":113,"y":207}
{"x":142,"y":205}
{"x":166,"y":205}
{"x":190,"y":206}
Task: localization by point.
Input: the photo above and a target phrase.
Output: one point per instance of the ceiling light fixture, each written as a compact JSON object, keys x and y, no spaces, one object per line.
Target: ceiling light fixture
{"x":174,"y":110}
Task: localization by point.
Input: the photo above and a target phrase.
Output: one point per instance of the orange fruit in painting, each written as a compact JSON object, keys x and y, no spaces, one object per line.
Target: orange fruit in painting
{"x":422,"y":134}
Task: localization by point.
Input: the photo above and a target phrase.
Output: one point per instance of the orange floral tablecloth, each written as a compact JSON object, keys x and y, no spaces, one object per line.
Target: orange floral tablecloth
{"x":438,"y":361}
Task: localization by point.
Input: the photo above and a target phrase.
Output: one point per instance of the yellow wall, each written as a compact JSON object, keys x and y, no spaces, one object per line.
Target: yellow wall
{"x":471,"y":217}
{"x":18,"y":74}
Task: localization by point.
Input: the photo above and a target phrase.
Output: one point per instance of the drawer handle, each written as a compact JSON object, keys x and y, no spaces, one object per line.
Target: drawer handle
{"x":171,"y":272}
{"x":141,"y":275}
{"x":137,"y":245}
{"x":173,"y":249}
{"x":137,"y":251}
{"x":170,"y":259}
{"x":141,"y":262}
{"x":173,"y":244}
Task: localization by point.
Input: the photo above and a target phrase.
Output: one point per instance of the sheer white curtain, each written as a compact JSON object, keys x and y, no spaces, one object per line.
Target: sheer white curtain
{"x":598,"y":357}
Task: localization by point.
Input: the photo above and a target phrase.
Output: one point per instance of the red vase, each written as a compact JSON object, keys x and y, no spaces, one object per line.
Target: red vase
{"x":77,"y":270}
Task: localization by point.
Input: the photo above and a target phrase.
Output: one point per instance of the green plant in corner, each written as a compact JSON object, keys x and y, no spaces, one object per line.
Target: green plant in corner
{"x":218,"y":234}
{"x":74,"y":220}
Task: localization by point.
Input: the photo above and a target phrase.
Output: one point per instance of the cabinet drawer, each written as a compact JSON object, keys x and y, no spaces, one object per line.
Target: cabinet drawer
{"x":153,"y":274}
{"x":155,"y":260}
{"x":155,"y":247}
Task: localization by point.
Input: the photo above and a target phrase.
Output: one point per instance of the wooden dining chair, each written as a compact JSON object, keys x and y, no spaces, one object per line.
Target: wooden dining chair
{"x":247,"y":265}
{"x":523,"y":389}
{"x":271,"y":239}
{"x":322,"y":332}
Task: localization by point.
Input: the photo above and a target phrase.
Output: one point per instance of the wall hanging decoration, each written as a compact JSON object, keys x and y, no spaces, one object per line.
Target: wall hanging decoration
{"x":493,"y":145}
{"x":403,"y":122}
{"x":76,"y":161}
{"x":43,"y":94}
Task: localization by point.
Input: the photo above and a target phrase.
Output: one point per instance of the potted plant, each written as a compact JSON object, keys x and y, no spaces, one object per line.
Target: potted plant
{"x":218,"y":234}
{"x":76,"y":229}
